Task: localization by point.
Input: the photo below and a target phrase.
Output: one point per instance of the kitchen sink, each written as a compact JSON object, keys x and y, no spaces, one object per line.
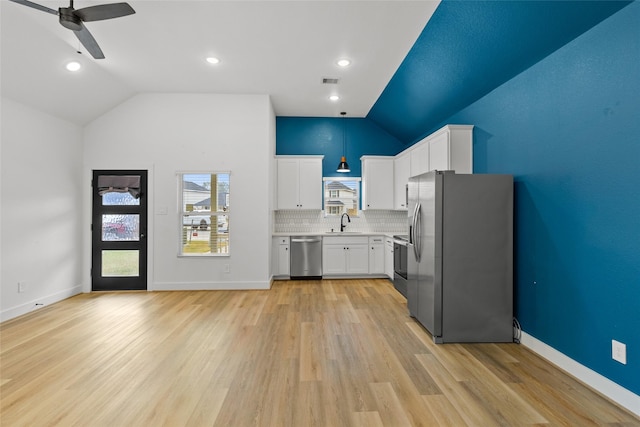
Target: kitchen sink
{"x":343,"y":232}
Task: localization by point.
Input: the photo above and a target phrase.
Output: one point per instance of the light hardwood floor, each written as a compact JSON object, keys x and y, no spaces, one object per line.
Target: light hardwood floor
{"x":305,"y":353}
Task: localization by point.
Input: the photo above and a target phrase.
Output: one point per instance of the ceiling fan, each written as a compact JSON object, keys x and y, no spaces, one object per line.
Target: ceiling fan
{"x":73,"y":19}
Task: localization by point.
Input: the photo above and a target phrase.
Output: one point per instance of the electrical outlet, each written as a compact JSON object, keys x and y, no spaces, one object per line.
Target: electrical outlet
{"x":227,"y":268}
{"x":22,"y":287}
{"x":619,"y":351}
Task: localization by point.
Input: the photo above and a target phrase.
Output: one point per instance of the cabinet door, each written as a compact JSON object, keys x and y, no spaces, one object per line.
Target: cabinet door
{"x":358,"y":259}
{"x":376,"y":259}
{"x":283,"y":260}
{"x":377,"y":183}
{"x":388,"y":257}
{"x":288,"y":189}
{"x":334,"y":259}
{"x":401,"y":173}
{"x":439,"y":152}
{"x":420,"y":159}
{"x":310,"y":178}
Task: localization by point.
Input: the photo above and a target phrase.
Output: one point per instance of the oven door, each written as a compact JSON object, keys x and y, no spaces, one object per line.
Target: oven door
{"x":400,"y":267}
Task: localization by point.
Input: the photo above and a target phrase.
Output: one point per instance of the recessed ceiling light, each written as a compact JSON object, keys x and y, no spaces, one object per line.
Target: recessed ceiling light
{"x":213,"y":60}
{"x":334,"y":98}
{"x":73,"y":66}
{"x":343,"y":62}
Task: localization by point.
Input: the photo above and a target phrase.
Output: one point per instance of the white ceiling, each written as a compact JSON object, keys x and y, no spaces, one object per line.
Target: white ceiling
{"x":280,"y":48}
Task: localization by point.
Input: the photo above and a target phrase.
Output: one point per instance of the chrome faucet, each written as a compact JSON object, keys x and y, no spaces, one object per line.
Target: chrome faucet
{"x":342,"y":224}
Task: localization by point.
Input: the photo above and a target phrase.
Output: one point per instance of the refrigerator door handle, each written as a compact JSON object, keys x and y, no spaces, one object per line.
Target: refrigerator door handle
{"x":412,"y":227}
{"x":417,"y":246}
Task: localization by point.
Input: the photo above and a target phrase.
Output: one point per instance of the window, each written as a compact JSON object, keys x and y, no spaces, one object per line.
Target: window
{"x":341,"y":195}
{"x":204,"y":214}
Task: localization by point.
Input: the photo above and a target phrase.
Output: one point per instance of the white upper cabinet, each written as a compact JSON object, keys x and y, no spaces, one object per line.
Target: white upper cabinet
{"x":451,"y":148}
{"x":299,"y":182}
{"x":377,"y":182}
{"x":419,"y":159}
{"x":439,"y":150}
{"x":401,"y":174}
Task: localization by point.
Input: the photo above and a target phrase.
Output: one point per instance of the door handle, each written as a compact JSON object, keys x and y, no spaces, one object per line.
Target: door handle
{"x":418,"y":245}
{"x":416,"y":232}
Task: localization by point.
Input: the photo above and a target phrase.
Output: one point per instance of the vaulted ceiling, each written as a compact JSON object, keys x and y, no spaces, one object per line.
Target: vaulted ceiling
{"x":414,"y":63}
{"x":280,"y":48}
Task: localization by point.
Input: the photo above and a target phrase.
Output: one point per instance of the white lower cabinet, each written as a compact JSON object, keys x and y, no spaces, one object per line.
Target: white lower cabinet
{"x":281,"y":256}
{"x":388,"y":257}
{"x":345,"y":255}
{"x":376,"y":255}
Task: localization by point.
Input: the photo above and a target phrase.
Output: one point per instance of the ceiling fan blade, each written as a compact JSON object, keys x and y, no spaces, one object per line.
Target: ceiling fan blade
{"x":89,"y":42}
{"x":104,"y":11}
{"x":36,"y":6}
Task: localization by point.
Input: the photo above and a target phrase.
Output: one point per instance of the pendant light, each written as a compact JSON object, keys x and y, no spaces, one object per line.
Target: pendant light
{"x":343,"y":166}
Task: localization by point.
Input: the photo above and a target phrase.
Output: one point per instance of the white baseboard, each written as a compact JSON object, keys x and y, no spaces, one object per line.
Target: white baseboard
{"x":601,"y":384}
{"x":37,"y":303}
{"x":210,"y":286}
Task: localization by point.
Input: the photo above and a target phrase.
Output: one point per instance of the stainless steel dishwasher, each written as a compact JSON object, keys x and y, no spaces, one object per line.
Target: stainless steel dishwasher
{"x":306,"y":257}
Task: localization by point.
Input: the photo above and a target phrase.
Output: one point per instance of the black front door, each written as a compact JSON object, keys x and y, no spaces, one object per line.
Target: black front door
{"x":119,"y":228}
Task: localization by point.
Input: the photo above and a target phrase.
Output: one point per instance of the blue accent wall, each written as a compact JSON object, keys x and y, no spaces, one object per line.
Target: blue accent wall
{"x":317,"y":135}
{"x":468,"y":48}
{"x":568,"y":129}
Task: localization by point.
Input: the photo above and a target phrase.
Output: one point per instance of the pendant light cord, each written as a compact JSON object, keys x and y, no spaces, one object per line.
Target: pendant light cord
{"x":344,"y":134}
{"x":344,"y":166}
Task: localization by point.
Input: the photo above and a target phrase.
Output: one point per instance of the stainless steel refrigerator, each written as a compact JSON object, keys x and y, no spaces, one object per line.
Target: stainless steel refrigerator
{"x":460,"y":256}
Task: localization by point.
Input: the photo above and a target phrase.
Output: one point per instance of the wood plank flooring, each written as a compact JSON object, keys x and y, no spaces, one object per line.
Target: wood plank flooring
{"x":305,"y":353}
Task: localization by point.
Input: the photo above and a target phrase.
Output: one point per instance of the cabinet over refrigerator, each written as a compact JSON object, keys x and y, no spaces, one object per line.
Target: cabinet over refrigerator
{"x":460,"y":256}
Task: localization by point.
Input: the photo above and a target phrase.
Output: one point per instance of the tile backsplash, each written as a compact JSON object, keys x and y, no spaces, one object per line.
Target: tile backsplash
{"x":314,"y":221}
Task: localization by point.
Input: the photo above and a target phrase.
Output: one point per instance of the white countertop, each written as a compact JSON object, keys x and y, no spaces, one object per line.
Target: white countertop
{"x":338,"y":234}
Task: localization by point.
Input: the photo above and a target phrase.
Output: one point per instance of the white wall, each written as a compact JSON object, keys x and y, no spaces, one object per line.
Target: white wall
{"x":272,"y":185}
{"x":170,"y":133}
{"x":41,"y":209}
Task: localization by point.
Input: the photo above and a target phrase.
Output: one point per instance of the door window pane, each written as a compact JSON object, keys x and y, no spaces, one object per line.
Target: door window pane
{"x":120,"y":263}
{"x":119,"y":199}
{"x":120,"y":227}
